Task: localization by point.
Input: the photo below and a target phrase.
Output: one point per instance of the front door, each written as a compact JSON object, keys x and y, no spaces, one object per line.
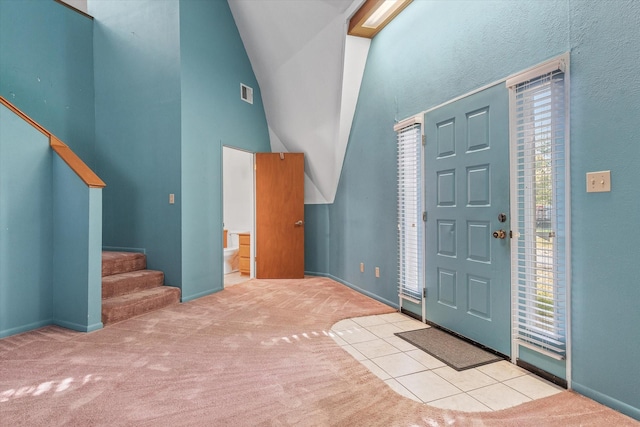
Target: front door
{"x":279,"y":215}
{"x":467,"y":255}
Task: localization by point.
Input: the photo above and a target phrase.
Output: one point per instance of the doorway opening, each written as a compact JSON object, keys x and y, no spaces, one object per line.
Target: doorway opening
{"x":238,"y":189}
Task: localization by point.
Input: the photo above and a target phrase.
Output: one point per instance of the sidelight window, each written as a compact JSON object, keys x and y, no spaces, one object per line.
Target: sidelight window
{"x":539,"y":196}
{"x":410,"y":199}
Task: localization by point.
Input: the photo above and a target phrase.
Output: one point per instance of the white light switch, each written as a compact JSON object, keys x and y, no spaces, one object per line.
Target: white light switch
{"x":598,"y":182}
{"x":362,"y":267}
{"x":377,"y":271}
{"x":172,"y":199}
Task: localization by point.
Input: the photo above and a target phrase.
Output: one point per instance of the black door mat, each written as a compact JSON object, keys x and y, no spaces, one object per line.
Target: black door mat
{"x":453,"y":351}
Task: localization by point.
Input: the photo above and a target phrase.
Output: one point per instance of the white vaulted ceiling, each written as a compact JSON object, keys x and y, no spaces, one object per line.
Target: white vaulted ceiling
{"x":309,"y":72}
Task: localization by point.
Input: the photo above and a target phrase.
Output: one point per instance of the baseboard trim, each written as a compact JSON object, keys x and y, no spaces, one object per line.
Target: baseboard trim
{"x":542,"y":373}
{"x":25,"y":328}
{"x":123,"y":249}
{"x":410,"y":314}
{"x":609,"y":401}
{"x":354,"y":287}
{"x":78,"y":327}
{"x":199,"y":295}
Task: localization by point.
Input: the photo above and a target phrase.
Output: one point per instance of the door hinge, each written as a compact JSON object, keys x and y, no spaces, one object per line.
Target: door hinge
{"x":424,"y":293}
{"x":511,"y":234}
{"x":424,"y":216}
{"x":424,"y":139}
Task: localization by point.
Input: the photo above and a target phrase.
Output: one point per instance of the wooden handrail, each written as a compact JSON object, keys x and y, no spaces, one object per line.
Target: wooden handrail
{"x":76,"y":164}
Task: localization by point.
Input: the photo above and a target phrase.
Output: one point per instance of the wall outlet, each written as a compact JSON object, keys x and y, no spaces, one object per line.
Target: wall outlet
{"x":377,"y":271}
{"x":362,"y":267}
{"x":598,"y":182}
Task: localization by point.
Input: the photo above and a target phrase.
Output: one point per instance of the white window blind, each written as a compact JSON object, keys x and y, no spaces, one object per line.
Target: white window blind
{"x":410,"y":224}
{"x":539,"y":211}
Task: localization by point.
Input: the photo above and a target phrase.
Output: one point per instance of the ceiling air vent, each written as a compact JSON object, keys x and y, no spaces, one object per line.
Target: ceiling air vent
{"x":246,"y":93}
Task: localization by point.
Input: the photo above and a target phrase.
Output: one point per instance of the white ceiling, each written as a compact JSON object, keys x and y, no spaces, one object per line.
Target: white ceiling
{"x":309,"y":72}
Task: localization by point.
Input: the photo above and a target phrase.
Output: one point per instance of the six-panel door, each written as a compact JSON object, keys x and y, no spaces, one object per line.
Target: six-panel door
{"x":467,"y":181}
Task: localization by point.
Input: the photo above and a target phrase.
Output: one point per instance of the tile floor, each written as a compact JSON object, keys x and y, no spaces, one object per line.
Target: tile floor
{"x":415,"y":374}
{"x":234,"y":278}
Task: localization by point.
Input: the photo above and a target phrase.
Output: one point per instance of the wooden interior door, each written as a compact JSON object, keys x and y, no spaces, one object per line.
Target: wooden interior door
{"x":279,"y":215}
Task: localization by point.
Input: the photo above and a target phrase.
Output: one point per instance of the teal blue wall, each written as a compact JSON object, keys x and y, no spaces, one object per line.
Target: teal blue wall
{"x":137,"y":95}
{"x":435,"y":51}
{"x":316,"y":239}
{"x":77,"y":245}
{"x":26,"y":226}
{"x":167,"y":83}
{"x":46,"y":69}
{"x":213,"y":64}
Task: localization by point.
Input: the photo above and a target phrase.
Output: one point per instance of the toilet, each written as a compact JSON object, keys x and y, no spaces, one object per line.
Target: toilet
{"x":231,"y":245}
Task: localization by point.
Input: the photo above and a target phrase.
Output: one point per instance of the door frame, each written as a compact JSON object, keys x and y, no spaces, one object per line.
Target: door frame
{"x":253,"y":206}
{"x":566,"y":58}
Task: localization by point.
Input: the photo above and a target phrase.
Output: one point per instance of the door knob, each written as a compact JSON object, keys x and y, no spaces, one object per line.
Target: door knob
{"x":499,"y":234}
{"x":299,"y":223}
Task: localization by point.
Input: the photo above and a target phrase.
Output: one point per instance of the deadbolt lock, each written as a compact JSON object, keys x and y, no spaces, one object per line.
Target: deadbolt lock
{"x":499,"y":234}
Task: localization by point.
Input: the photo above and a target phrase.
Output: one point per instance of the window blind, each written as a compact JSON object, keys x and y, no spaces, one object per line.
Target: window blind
{"x":410,"y":224}
{"x":539,"y":217}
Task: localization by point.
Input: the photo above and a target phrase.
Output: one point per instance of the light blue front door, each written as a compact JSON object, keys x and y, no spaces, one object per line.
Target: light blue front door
{"x":467,"y":183}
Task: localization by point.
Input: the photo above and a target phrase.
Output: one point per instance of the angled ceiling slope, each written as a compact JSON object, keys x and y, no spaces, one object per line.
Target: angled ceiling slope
{"x":309,"y":72}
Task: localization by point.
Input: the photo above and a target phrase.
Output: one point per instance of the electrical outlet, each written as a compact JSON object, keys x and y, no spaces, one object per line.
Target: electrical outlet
{"x":598,"y":182}
{"x":362,"y":267}
{"x":377,"y":271}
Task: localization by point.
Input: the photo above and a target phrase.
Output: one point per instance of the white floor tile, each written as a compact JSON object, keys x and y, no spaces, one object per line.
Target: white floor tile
{"x":469,"y":379}
{"x":460,"y":402}
{"x":426,"y":359}
{"x":398,"y":364}
{"x":533,"y":386}
{"x":375,"y":369}
{"x":353,"y":336}
{"x":411,"y":325}
{"x":337,"y":339}
{"x":498,"y":396}
{"x":394,"y":317}
{"x":428,"y":386}
{"x":375,"y":348}
{"x":369,"y":320}
{"x":399,"y":388}
{"x":355,"y":353}
{"x":384,"y":331}
{"x":417,"y":375}
{"x":344,"y":325}
{"x":502,"y":370}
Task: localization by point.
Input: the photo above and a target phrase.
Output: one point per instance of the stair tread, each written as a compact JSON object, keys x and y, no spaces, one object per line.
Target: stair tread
{"x":137,"y":296}
{"x":123,"y":283}
{"x":133,"y":304}
{"x":131,"y":274}
{"x":114,"y":262}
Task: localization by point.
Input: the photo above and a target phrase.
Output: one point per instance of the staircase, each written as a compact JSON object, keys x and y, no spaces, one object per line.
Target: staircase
{"x":129,"y":289}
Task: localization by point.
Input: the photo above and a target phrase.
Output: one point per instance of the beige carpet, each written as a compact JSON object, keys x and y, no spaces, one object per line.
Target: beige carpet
{"x":256,"y":354}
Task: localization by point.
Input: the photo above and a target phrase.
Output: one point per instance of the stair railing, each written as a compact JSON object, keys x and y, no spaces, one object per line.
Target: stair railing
{"x":76,"y":164}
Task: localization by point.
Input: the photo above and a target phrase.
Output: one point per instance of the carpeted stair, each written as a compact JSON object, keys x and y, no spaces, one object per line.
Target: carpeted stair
{"x":129,"y":289}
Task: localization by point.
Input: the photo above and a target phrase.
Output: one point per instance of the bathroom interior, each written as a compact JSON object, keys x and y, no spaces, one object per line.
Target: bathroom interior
{"x":238,"y":215}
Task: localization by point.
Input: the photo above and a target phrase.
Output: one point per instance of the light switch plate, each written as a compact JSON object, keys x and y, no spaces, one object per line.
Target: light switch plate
{"x":362,"y":267}
{"x":172,"y":199}
{"x":598,"y":182}
{"x":377,"y":271}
